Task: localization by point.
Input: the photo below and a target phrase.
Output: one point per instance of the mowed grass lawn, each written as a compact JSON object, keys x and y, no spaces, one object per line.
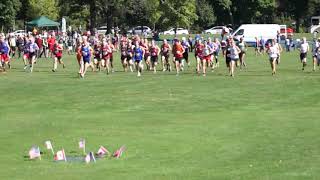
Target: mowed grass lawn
{"x":253,"y":126}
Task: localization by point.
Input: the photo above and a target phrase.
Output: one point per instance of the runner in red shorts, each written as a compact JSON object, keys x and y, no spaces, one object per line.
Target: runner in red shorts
{"x":57,"y":52}
{"x":113,"y":49}
{"x":199,"y":53}
{"x":4,"y":54}
{"x":206,"y":57}
{"x":51,"y":42}
{"x":178,"y":51}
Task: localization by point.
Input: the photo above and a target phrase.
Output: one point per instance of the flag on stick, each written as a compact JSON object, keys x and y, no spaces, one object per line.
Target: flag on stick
{"x":82,"y":145}
{"x":60,"y":156}
{"x":34,"y":152}
{"x":103,"y":151}
{"x":49,"y":146}
{"x":119,"y":152}
{"x":90,"y":157}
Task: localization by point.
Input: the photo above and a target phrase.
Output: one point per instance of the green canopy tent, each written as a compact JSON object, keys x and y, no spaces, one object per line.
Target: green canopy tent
{"x":43,"y":21}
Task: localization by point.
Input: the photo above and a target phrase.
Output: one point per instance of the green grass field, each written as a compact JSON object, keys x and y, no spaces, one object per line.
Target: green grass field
{"x":253,"y":126}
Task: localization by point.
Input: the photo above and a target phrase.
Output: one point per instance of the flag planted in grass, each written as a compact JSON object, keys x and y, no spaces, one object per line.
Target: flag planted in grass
{"x":60,"y":156}
{"x":49,"y":146}
{"x":119,"y":152}
{"x":82,"y":145}
{"x":34,"y":152}
{"x":103,"y":152}
{"x":90,"y":158}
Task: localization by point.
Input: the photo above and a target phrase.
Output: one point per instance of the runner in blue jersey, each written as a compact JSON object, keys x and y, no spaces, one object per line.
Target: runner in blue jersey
{"x":86,"y":52}
{"x":138,"y":54}
{"x":4,"y":53}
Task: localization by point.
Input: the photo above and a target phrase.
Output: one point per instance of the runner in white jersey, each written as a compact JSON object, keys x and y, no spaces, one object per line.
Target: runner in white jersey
{"x":315,"y":47}
{"x":234,"y":56}
{"x":243,"y":47}
{"x":304,"y":48}
{"x":273,"y":52}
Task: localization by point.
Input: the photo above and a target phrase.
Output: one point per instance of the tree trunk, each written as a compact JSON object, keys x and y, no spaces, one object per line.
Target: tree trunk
{"x":109,"y":19}
{"x":231,"y":17}
{"x":93,"y":21}
{"x":298,"y":25}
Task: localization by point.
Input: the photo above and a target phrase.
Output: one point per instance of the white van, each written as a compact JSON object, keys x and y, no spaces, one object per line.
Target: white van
{"x":250,"y":31}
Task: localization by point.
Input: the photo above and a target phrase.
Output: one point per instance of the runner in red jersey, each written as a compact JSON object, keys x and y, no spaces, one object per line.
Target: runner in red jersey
{"x":97,"y":55}
{"x":178,"y":51}
{"x":145,"y":45}
{"x":113,"y":49}
{"x":51,"y":41}
{"x":154,"y":51}
{"x":165,"y":55}
{"x":199,"y":53}
{"x":57,"y":52}
{"x":106,"y":54}
{"x":123,"y":51}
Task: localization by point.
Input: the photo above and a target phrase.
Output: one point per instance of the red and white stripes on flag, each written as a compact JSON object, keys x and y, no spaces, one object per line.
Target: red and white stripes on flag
{"x":103,"y":151}
{"x":34,"y":153}
{"x":119,"y":152}
{"x":60,"y":156}
{"x":90,"y":157}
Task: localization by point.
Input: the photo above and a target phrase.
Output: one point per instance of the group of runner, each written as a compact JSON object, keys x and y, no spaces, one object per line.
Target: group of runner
{"x":137,"y":52}
{"x":96,"y":52}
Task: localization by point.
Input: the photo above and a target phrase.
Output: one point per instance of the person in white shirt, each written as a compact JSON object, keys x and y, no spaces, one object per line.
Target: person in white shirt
{"x":234,"y":55}
{"x":304,"y":48}
{"x":315,"y":47}
{"x":13,"y":44}
{"x":273,"y":52}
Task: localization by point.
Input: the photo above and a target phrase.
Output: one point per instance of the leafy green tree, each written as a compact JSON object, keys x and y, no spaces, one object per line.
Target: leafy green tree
{"x":153,"y":12}
{"x":178,"y":13}
{"x":298,"y":9}
{"x":260,"y":11}
{"x":76,"y":14}
{"x":206,"y":15}
{"x":112,"y":12}
{"x":38,"y":8}
{"x":8,"y":9}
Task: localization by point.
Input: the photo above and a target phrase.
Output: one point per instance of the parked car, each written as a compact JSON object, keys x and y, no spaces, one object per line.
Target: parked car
{"x":20,"y":33}
{"x":139,"y":30}
{"x":103,"y":30}
{"x":216,"y":30}
{"x":286,"y":32}
{"x":179,"y":31}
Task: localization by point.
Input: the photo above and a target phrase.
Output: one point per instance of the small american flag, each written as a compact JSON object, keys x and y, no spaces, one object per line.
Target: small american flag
{"x":82,"y":144}
{"x":60,"y":156}
{"x":90,"y":157}
{"x":34,"y":152}
{"x":119,"y":152}
{"x":102,"y":151}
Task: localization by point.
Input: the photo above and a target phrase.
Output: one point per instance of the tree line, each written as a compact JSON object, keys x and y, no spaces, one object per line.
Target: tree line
{"x":160,"y":14}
